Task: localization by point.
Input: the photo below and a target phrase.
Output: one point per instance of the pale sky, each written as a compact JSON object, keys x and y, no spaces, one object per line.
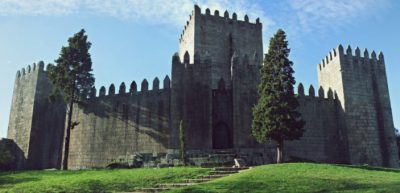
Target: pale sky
{"x":135,"y":39}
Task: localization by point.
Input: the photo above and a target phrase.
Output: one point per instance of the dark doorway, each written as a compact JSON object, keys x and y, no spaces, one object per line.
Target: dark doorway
{"x":222,"y":137}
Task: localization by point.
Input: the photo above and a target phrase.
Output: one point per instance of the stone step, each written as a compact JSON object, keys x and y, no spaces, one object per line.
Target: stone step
{"x":218,"y":172}
{"x":152,"y":190}
{"x":229,"y":168}
{"x":199,"y":180}
{"x":222,"y":155}
{"x":225,"y":172}
{"x":176,"y":185}
{"x":214,"y":176}
{"x":224,"y":151}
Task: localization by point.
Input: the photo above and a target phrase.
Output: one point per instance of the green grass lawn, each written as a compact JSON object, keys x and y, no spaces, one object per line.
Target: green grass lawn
{"x":118,"y":180}
{"x":305,"y":177}
{"x":293,"y":177}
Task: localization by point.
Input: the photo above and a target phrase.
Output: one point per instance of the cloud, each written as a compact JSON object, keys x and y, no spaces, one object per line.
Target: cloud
{"x":155,"y":11}
{"x":171,"y":12}
{"x":174,"y":12}
{"x":306,"y":16}
{"x":322,"y":15}
{"x":177,"y":12}
{"x":38,"y":7}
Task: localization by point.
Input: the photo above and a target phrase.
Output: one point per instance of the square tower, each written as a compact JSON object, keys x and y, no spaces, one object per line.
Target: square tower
{"x":360,"y":85}
{"x":220,"y":37}
{"x":36,"y":123}
{"x":214,"y":79}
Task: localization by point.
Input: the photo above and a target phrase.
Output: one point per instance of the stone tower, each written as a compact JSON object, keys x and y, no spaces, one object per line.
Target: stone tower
{"x":360,"y":85}
{"x":220,"y":36}
{"x":213,"y":88}
{"x":214,"y":79}
{"x":36,"y":124}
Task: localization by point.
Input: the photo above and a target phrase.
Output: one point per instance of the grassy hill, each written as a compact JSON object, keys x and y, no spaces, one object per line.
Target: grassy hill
{"x":305,"y":177}
{"x":292,"y":177}
{"x":118,"y":180}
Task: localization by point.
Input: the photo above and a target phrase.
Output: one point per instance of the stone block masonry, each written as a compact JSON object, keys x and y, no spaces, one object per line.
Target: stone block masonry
{"x":361,"y":86}
{"x":213,"y":88}
{"x":114,"y":127}
{"x":219,"y":37}
{"x":36,"y":123}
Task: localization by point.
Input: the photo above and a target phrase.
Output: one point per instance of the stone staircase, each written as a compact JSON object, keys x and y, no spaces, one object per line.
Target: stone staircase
{"x":215,"y":158}
{"x":218,"y":172}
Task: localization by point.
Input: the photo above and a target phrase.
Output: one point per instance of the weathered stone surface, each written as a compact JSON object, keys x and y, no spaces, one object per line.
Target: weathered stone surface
{"x":37,"y":123}
{"x":213,"y":88}
{"x":365,"y":116}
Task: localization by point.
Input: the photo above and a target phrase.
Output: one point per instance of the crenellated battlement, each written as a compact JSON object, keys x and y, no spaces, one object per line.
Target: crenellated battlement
{"x":322,"y":94}
{"x":197,"y":12}
{"x":132,"y":89}
{"x":31,"y":69}
{"x":334,"y":54}
{"x":185,"y":62}
{"x":213,"y":89}
{"x":340,"y":56}
{"x":237,"y":59}
{"x":225,"y":16}
{"x":359,"y":79}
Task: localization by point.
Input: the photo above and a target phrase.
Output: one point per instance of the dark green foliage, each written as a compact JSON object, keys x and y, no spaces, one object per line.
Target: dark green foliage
{"x":72,"y":74}
{"x":73,"y":79}
{"x":397,"y":133}
{"x":182,"y":142}
{"x":275,"y":116}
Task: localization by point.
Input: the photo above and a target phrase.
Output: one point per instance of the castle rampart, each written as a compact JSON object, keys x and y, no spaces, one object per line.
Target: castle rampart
{"x":213,"y":88}
{"x":245,"y":76}
{"x":219,"y":37}
{"x":116,"y":127}
{"x":355,"y":78}
{"x":36,"y":123}
{"x":323,"y":140}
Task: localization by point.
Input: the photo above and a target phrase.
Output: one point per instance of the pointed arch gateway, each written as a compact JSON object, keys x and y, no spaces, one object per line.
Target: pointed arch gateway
{"x":222,"y":136}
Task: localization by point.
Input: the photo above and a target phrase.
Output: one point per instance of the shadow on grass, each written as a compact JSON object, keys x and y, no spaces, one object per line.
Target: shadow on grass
{"x":7,"y":180}
{"x":95,"y":186}
{"x":371,"y":168}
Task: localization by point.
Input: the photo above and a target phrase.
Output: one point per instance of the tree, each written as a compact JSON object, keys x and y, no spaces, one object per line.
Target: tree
{"x":275,"y":116}
{"x":72,"y":78}
{"x":182,"y":142}
{"x":397,"y":134}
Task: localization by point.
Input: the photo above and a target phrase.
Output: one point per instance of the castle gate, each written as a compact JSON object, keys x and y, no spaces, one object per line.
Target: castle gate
{"x":222,"y":136}
{"x":222,"y":133}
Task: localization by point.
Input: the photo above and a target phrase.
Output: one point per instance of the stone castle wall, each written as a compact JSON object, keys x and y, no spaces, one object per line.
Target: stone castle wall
{"x":219,"y":36}
{"x":245,"y":74}
{"x":323,"y":140}
{"x":209,"y":112}
{"x":191,"y":101}
{"x":368,"y":125}
{"x":21,"y":115}
{"x":36,"y":123}
{"x":114,"y":127}
{"x":213,"y":88}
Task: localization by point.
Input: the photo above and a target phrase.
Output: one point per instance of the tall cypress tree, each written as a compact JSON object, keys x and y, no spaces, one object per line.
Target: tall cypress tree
{"x":275,"y":116}
{"x":72,"y":78}
{"x":182,"y":140}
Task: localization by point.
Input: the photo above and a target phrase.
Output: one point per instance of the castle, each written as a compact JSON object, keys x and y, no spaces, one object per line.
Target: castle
{"x":212,"y":89}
